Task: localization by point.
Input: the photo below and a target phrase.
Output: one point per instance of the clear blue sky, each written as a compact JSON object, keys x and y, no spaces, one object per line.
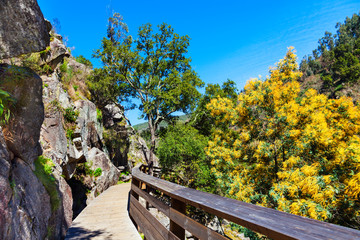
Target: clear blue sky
{"x":238,"y":40}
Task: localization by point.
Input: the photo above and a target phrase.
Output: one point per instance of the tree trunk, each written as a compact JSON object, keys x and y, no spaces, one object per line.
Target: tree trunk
{"x":152,"y":148}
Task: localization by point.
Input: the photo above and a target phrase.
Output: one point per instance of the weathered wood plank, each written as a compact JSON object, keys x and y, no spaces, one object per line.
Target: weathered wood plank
{"x":143,"y":222}
{"x":156,"y":225}
{"x":178,"y":230}
{"x":197,"y":229}
{"x":272,"y":223}
{"x":152,"y":200}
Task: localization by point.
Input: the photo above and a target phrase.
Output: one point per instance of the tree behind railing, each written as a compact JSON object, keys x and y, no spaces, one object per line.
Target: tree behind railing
{"x":269,"y":222}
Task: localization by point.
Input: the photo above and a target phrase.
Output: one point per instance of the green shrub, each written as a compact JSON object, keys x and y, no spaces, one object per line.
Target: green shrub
{"x":83,"y":60}
{"x":32,"y":61}
{"x":75,"y":87}
{"x":181,"y":152}
{"x":97,"y":172}
{"x":46,"y":69}
{"x":70,"y":115}
{"x":99,"y":115}
{"x":6,"y":101}
{"x":70,"y":134}
{"x":43,"y":171}
{"x":64,"y":66}
{"x":86,"y":169}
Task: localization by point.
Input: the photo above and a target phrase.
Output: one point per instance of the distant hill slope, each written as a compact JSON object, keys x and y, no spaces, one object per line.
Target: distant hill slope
{"x":334,"y":67}
{"x":144,"y":126}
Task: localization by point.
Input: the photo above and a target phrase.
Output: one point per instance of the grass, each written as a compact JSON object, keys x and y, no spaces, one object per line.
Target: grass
{"x":43,"y":171}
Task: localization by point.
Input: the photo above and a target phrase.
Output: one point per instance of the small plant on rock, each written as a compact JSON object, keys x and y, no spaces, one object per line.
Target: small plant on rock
{"x":97,"y":172}
{"x":43,"y":171}
{"x":71,"y":115}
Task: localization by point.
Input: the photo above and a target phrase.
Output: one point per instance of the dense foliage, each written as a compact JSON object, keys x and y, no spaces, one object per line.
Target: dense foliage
{"x":337,"y":60}
{"x":294,"y":152}
{"x":201,"y":119}
{"x":153,"y":68}
{"x":182,"y":156}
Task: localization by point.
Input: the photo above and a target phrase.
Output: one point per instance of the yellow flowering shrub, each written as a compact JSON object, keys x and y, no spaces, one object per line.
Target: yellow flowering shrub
{"x":292,"y":151}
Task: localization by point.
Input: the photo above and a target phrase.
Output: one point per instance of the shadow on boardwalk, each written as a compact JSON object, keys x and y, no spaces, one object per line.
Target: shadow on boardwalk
{"x":82,"y":233}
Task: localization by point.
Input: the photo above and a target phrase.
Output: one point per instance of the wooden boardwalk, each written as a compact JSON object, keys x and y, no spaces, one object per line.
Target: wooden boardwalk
{"x":106,"y":217}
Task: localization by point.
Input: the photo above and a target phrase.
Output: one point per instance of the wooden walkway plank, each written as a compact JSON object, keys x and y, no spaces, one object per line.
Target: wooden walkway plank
{"x":106,"y":217}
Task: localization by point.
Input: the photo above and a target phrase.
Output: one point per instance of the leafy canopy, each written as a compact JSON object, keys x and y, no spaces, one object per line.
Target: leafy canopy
{"x":153,"y":68}
{"x":201,"y":119}
{"x":182,"y":156}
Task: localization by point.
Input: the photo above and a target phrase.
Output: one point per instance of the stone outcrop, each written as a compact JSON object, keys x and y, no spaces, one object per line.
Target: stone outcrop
{"x":117,"y":134}
{"x":138,"y":151}
{"x":23,"y":130}
{"x":30,"y":204}
{"x":23,"y":28}
{"x":73,"y":147}
{"x":58,"y":51}
{"x":97,"y":159}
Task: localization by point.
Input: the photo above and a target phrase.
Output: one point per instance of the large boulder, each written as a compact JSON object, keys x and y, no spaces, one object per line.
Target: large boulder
{"x":61,"y":218}
{"x":22,"y":132}
{"x":23,"y":28}
{"x":109,"y":173}
{"x":112,"y":115}
{"x":88,"y":127}
{"x":30,"y":204}
{"x":58,"y":51}
{"x":116,"y":134}
{"x":139,"y":151}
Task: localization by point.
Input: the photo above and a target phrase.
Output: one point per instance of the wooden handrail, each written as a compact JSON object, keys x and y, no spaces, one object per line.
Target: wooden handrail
{"x":272,"y":223}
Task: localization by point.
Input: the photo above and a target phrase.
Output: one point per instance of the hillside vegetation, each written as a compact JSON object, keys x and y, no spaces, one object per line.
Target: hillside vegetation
{"x":289,"y":142}
{"x":334,"y":67}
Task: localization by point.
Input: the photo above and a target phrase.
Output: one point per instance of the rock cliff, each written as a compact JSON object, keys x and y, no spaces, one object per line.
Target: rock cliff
{"x":23,"y":28}
{"x":58,"y":151}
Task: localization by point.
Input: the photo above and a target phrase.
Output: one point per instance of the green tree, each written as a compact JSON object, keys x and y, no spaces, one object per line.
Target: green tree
{"x":337,"y":59}
{"x":182,"y":156}
{"x":290,"y":151}
{"x":153,"y":68}
{"x":201,"y":119}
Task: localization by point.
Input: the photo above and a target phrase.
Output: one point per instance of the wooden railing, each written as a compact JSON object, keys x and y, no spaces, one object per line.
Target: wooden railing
{"x":272,"y":223}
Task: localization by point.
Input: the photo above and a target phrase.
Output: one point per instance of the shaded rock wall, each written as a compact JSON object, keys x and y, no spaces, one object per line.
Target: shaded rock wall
{"x":78,"y":144}
{"x":23,"y":28}
{"x":25,"y":202}
{"x":23,"y":131}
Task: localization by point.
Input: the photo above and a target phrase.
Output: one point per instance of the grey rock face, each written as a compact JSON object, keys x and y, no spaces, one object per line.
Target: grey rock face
{"x":139,"y":152}
{"x":117,"y":142}
{"x":88,"y":115}
{"x":112,"y":115}
{"x":23,"y":130}
{"x":23,"y":28}
{"x":5,"y":188}
{"x":110,"y":174}
{"x":57,"y":53}
{"x":30,"y":204}
{"x":61,"y":219}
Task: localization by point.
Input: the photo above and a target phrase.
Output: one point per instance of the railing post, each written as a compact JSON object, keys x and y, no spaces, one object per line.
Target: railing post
{"x":136,"y":196}
{"x":175,"y":228}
